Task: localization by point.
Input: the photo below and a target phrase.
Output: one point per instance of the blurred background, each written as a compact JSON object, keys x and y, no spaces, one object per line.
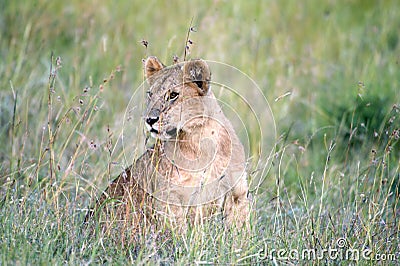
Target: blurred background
{"x":315,"y":62}
{"x":329,"y":69}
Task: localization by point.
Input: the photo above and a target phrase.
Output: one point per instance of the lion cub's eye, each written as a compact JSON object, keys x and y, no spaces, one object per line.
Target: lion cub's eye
{"x":171,"y":96}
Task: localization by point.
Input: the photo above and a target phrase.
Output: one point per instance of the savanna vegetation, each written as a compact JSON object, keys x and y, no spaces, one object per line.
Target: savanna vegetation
{"x":330,"y":71}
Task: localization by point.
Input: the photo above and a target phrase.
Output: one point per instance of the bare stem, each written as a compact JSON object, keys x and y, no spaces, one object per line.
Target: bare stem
{"x":187,"y":38}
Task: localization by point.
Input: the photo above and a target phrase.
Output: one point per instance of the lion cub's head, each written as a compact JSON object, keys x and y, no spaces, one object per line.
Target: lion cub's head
{"x":178,"y":97}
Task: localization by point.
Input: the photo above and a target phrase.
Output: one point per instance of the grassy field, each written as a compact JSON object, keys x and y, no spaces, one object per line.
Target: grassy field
{"x":330,"y":71}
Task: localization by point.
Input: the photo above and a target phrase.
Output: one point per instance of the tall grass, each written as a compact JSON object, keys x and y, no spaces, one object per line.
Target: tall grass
{"x":329,"y":70}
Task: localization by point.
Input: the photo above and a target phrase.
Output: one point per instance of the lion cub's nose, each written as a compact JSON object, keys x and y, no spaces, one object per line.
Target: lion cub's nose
{"x":153,"y":116}
{"x":151,"y":120}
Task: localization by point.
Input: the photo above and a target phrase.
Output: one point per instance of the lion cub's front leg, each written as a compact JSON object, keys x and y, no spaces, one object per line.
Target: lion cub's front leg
{"x":237,"y":205}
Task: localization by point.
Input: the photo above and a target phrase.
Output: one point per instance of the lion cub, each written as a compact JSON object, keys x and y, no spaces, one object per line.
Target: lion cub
{"x":195,"y":169}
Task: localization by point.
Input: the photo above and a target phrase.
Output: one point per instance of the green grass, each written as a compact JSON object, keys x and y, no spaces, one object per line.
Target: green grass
{"x":335,"y":170}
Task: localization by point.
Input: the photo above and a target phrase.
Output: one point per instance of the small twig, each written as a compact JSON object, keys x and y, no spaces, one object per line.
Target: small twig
{"x":187,"y":39}
{"x":12,"y":128}
{"x":50,"y":91}
{"x":145,"y":43}
{"x":49,"y":113}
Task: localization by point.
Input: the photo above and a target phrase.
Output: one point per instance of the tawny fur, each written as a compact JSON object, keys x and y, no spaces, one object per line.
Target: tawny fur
{"x":196,"y":168}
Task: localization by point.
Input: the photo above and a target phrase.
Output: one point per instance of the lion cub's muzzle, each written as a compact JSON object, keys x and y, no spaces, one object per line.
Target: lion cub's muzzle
{"x":155,"y":126}
{"x":152,"y":120}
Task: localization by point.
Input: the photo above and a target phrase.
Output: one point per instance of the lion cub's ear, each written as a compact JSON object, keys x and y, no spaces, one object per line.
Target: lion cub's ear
{"x":152,"y":65}
{"x":198,"y":72}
